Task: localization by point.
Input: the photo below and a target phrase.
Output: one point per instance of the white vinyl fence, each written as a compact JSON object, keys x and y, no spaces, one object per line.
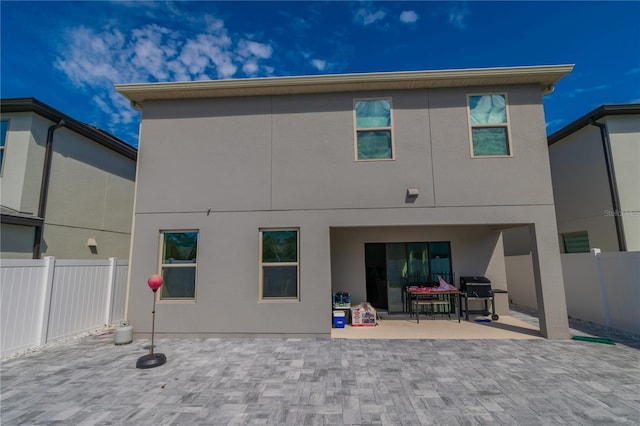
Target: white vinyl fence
{"x":43,"y":300}
{"x":600,"y":287}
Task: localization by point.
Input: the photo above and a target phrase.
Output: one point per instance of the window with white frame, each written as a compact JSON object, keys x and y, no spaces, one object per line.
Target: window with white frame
{"x":279,"y":262}
{"x":489,"y":125}
{"x":373,"y":135}
{"x":178,"y":264}
{"x":4,"y":125}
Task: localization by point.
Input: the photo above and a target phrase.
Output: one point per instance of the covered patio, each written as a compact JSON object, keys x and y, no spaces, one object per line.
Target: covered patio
{"x":516,"y":326}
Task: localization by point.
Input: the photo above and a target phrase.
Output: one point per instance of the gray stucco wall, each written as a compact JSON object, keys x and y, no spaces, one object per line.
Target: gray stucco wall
{"x":228,"y":167}
{"x":296,"y":152}
{"x":475,"y":250}
{"x":16,"y":241}
{"x":581,"y":188}
{"x":16,"y":185}
{"x":91,"y":189}
{"x":624,"y":133}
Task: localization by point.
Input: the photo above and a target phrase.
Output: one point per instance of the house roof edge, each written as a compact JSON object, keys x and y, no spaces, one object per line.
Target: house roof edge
{"x":594,"y":115}
{"x":34,"y":105}
{"x":544,"y":75}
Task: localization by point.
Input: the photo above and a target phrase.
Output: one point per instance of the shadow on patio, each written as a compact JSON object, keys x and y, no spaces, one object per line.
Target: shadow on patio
{"x":403,"y":327}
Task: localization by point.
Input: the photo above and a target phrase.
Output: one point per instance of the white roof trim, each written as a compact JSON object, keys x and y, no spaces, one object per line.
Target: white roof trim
{"x":545,"y":76}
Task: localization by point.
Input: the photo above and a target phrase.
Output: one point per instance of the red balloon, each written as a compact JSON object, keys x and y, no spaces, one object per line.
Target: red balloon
{"x":154,"y":281}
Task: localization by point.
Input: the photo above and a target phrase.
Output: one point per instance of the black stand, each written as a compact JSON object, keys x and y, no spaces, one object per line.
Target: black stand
{"x":152,"y":360}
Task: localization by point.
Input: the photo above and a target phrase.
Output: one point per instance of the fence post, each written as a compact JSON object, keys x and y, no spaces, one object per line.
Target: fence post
{"x":603,"y":289}
{"x":47,"y":292}
{"x":110,"y":289}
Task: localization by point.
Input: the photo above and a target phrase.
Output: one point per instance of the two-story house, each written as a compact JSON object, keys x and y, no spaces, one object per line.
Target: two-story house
{"x":257,"y":199}
{"x":66,"y":187}
{"x":595,"y":170}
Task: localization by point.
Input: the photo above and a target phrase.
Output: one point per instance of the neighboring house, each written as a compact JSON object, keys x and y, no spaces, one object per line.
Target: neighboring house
{"x":595,"y":169}
{"x":67,"y":188}
{"x":257,"y":199}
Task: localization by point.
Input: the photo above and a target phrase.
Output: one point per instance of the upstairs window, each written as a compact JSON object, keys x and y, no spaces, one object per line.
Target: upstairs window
{"x":489,"y":125}
{"x":178,"y":264}
{"x":4,"y":125}
{"x":373,"y":137}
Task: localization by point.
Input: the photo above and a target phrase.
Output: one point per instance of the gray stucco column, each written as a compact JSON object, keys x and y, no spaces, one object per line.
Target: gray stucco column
{"x":547,"y":273}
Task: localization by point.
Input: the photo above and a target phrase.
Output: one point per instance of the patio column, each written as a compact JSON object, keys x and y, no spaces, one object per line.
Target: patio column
{"x":549,"y":283}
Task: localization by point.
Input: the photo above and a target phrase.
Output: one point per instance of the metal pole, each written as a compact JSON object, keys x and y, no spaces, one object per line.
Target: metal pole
{"x":153,"y":320}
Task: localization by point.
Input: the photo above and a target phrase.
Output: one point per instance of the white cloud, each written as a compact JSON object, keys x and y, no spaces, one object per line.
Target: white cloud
{"x":458,"y":16}
{"x":554,"y":123}
{"x":268,"y":70}
{"x":86,"y":54}
{"x":149,"y":52}
{"x":207,"y":53}
{"x":582,"y":90}
{"x":250,"y":68}
{"x":96,"y":59}
{"x":247,"y":48}
{"x":366,"y":17}
{"x":408,"y":16}
{"x":319,"y":64}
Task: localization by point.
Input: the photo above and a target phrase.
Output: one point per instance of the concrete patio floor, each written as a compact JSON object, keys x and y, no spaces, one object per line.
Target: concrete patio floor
{"x":313,"y":381}
{"x":401,"y":327}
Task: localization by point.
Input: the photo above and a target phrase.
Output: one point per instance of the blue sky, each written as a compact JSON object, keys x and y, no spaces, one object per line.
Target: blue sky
{"x":70,"y":54}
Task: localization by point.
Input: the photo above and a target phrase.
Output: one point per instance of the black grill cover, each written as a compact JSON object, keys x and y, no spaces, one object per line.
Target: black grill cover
{"x":479,"y":290}
{"x":474,"y":280}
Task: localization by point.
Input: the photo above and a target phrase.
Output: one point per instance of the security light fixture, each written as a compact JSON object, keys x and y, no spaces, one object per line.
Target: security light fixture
{"x":412,"y":192}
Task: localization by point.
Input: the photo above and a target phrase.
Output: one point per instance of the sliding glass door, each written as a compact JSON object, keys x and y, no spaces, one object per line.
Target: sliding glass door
{"x":392,"y":266}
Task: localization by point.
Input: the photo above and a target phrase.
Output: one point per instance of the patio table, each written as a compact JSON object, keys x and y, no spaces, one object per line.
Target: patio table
{"x":420,"y":292}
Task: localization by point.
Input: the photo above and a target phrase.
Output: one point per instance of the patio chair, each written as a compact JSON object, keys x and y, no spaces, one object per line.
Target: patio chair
{"x":431,"y":306}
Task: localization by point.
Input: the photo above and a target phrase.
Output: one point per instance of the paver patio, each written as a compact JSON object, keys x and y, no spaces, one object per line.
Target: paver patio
{"x":238,"y":381}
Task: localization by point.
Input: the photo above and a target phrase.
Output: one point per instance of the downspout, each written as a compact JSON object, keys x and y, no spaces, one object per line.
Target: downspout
{"x":44,"y":188}
{"x":613,"y":187}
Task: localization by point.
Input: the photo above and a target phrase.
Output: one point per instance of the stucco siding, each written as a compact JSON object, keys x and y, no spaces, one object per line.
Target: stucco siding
{"x":331,"y":258}
{"x":581,"y":188}
{"x":35,"y":162}
{"x":70,"y":242}
{"x":89,"y":183}
{"x":297,"y":152}
{"x":228,"y":167}
{"x":227,"y":276}
{"x":16,"y":185}
{"x":90,"y":192}
{"x":624,"y":134}
{"x":205,"y":153}
{"x":475,"y":250}
{"x":314,"y":161}
{"x":16,"y":241}
{"x":461,"y":180}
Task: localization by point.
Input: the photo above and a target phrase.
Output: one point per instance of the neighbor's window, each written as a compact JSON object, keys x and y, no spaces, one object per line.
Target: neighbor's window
{"x":577,"y":242}
{"x":373,"y":129}
{"x":489,"y":125}
{"x":3,"y":137}
{"x":279,"y":261}
{"x":178,"y":263}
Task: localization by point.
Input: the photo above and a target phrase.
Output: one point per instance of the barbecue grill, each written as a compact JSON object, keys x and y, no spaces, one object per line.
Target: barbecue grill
{"x":477,"y":288}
